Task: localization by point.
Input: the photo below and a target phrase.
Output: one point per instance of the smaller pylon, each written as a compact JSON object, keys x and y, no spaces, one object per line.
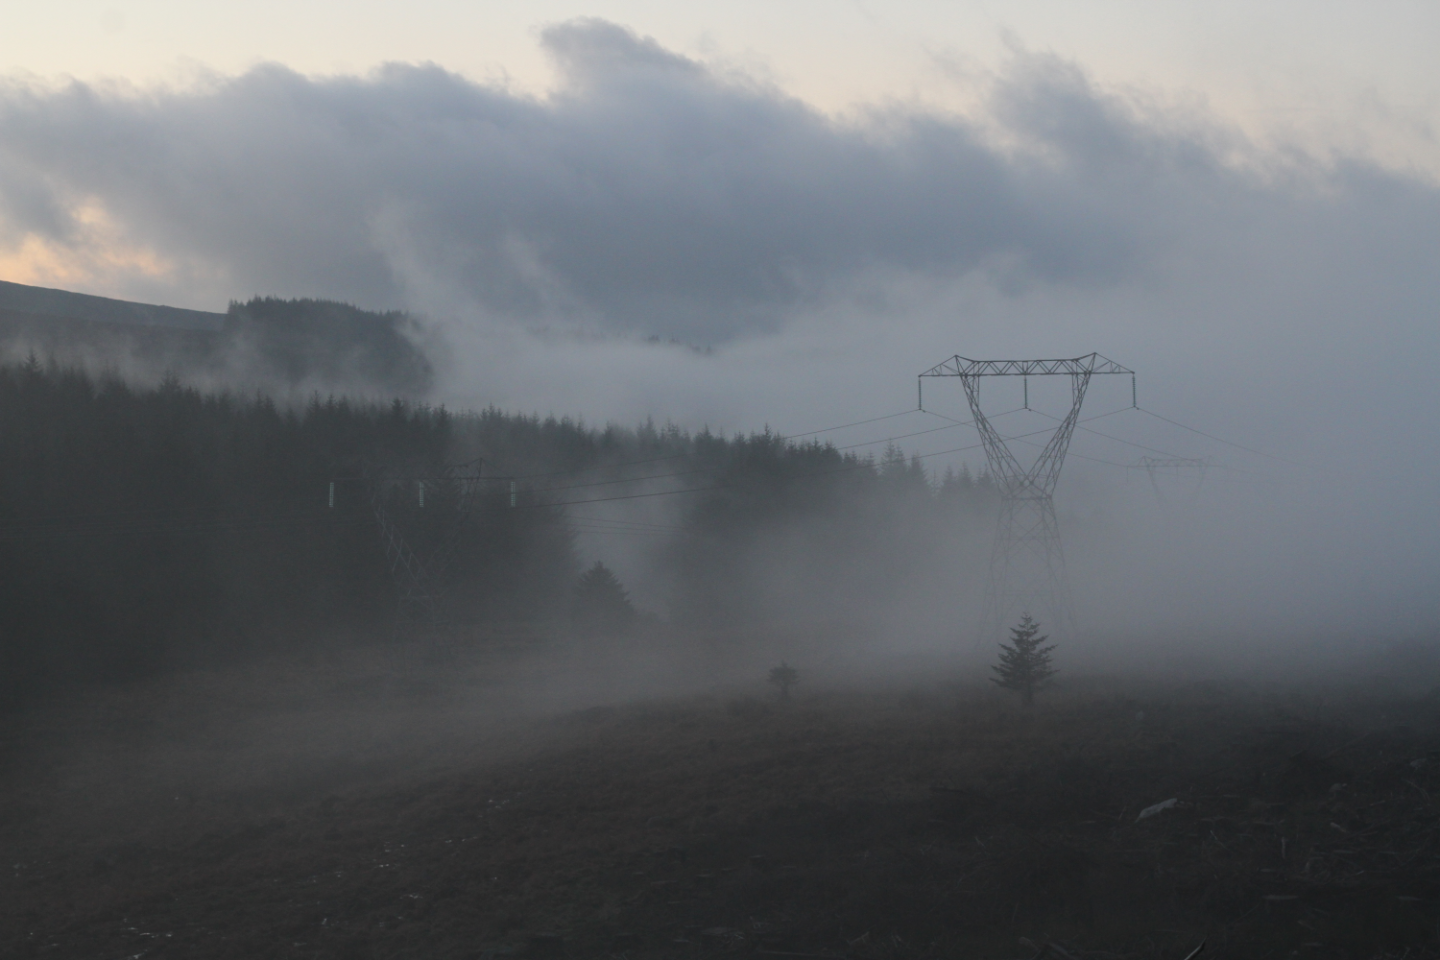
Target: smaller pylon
{"x":1189,"y":472}
{"x":418,"y":575}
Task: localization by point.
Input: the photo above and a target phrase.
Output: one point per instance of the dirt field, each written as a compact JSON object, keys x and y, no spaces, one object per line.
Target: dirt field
{"x":320,"y":810}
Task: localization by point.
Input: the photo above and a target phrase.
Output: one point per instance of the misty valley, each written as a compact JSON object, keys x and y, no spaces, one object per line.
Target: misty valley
{"x":297,"y":662}
{"x":833,"y":481}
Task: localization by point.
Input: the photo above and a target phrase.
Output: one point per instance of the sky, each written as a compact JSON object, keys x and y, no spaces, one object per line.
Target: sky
{"x":746,"y":214}
{"x":1347,"y":72}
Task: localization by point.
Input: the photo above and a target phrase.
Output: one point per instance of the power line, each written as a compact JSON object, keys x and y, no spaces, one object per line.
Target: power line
{"x":1116,"y":439}
{"x":1229,"y":443}
{"x":1027,"y":563}
{"x":1226,"y":479}
{"x":682,"y":456}
{"x":954,"y":423}
{"x":1072,"y":453}
{"x":700,"y":470}
{"x":184,"y":520}
{"x":154,"y":521}
{"x":861,"y":465}
{"x":903,"y":436}
{"x":857,"y":423}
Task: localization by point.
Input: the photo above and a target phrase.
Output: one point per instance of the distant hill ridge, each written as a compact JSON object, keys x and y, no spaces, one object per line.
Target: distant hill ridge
{"x":267,"y":343}
{"x":47,"y":302}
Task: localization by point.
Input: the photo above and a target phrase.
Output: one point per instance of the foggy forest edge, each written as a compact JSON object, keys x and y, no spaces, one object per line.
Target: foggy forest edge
{"x":152,"y":527}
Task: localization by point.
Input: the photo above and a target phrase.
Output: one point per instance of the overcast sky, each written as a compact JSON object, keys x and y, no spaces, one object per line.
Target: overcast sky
{"x":1241,"y":205}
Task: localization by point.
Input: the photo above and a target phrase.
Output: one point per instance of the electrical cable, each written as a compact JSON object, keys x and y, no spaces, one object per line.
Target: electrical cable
{"x":857,"y":423}
{"x":682,"y":456}
{"x":1230,"y":443}
{"x":1072,"y":453}
{"x":143,"y":522}
{"x":1129,"y":466}
{"x":1102,"y":416}
{"x":1109,"y":437}
{"x":864,"y":464}
{"x":903,"y":436}
{"x":1142,"y":446}
{"x":868,"y":443}
{"x":1138,"y":446}
{"x":107,"y":525}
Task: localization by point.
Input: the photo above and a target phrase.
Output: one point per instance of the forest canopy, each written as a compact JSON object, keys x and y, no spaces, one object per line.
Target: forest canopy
{"x":147,"y":527}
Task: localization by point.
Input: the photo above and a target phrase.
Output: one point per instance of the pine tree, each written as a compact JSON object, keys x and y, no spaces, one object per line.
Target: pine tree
{"x":600,"y":604}
{"x":784,"y":677}
{"x":1024,"y":663}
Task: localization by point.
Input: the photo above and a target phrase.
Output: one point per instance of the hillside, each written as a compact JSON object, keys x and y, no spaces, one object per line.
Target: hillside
{"x":284,"y":346}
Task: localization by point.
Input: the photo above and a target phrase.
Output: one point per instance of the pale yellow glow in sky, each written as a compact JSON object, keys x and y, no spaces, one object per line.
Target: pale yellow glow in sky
{"x":95,"y":259}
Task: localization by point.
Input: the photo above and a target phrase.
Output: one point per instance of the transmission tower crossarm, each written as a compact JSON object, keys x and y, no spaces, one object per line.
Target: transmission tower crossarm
{"x":1090,"y":363}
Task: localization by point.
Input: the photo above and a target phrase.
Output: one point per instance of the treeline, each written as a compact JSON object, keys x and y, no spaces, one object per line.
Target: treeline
{"x":144,"y":527}
{"x":281,"y":346}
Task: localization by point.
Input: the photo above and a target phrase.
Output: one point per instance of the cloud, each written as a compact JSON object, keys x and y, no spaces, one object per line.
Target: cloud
{"x":647,"y":194}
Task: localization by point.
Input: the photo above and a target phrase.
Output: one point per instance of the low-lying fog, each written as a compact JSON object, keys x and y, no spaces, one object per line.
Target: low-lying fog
{"x":662,"y":239}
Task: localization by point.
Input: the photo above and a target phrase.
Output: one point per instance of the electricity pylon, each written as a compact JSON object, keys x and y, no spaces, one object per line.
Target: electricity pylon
{"x":1175,"y":468}
{"x":418,"y":576}
{"x":1027,"y":564}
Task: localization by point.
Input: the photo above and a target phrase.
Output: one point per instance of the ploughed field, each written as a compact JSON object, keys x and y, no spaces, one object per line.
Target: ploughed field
{"x":322,"y":810}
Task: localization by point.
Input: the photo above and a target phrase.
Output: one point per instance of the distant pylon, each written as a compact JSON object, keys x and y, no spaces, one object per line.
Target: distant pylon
{"x":1177,"y":469}
{"x":1027,"y":563}
{"x":419,"y":578}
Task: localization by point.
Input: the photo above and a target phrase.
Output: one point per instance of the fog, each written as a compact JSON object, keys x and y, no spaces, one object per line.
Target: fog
{"x":663,"y":238}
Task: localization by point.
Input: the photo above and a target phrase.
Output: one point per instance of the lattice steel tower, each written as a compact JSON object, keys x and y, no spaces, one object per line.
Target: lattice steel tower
{"x":1027,"y":565}
{"x":1175,"y":469}
{"x":418,"y":574}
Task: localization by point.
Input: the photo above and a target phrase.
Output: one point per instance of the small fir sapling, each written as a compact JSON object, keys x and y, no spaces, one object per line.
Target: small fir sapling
{"x":784,"y":677}
{"x":1024,"y":662}
{"x":599,"y":604}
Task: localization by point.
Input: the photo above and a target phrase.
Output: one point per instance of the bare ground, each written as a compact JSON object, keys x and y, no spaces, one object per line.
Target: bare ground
{"x":323,"y":809}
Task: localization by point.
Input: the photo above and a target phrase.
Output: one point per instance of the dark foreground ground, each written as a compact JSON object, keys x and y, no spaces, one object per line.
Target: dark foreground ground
{"x":318,"y":813}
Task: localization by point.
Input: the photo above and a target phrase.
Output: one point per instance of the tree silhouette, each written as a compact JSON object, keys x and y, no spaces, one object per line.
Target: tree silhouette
{"x":600,"y":604}
{"x":1024,"y":663}
{"x":214,"y":534}
{"x":784,"y":677}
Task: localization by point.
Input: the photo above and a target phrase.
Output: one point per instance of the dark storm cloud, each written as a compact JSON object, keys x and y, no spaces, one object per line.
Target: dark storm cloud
{"x":648,"y":193}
